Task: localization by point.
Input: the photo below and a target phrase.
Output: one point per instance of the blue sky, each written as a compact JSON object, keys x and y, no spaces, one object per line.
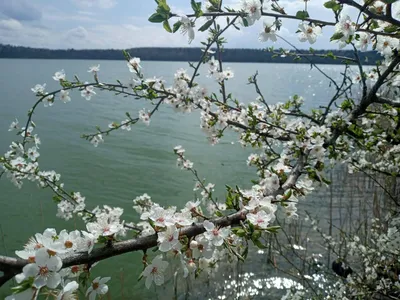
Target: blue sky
{"x":123,"y":24}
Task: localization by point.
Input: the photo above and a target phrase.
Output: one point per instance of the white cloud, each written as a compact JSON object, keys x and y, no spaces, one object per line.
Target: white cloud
{"x":10,"y":25}
{"x":89,"y":37}
{"x":87,"y":29}
{"x":86,"y":13}
{"x":15,"y":33}
{"x":53,"y":14}
{"x":95,"y":3}
{"x":23,"y":10}
{"x":79,"y":33}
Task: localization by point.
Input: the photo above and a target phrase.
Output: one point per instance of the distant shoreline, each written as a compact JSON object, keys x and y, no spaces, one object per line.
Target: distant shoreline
{"x":186,"y":54}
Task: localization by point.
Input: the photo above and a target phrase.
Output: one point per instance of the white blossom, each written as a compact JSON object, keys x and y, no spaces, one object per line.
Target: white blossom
{"x":253,"y":10}
{"x":144,"y":116}
{"x":13,"y":125}
{"x":68,"y":291}
{"x":38,"y":89}
{"x":385,"y":45}
{"x":309,"y":33}
{"x":94,"y":69}
{"x":267,"y":33}
{"x":98,"y":287}
{"x":104,"y":227}
{"x":201,"y":247}
{"x":97,"y":139}
{"x":134,"y":65}
{"x":260,"y":219}
{"x":345,"y":26}
{"x":88,"y":92}
{"x":60,"y":75}
{"x":187,"y":27}
{"x":363,"y":41}
{"x":168,"y":238}
{"x":64,"y":96}
{"x":125,"y":125}
{"x":155,"y":271}
{"x":215,"y":235}
{"x":44,"y":269}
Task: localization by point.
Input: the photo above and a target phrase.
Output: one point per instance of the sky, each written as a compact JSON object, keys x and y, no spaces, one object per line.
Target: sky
{"x":117,"y":24}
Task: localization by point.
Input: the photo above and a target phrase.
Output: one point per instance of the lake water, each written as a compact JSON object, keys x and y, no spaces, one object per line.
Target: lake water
{"x":128,"y":164}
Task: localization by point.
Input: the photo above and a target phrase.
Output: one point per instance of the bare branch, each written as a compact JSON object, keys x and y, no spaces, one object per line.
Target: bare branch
{"x":274,"y":15}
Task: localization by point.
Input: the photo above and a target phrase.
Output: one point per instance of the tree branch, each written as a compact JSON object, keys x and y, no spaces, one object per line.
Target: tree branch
{"x":370,"y":13}
{"x":383,"y":100}
{"x":241,"y":14}
{"x":12,"y":266}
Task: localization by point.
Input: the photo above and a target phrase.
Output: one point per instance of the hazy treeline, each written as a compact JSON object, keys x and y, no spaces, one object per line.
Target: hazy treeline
{"x":181,"y":54}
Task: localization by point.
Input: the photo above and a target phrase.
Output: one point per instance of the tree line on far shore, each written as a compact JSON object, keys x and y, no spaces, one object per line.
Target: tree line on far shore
{"x":190,"y":54}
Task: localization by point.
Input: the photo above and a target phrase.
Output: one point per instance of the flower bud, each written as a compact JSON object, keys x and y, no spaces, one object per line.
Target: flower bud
{"x":193,"y":245}
{"x":191,"y":265}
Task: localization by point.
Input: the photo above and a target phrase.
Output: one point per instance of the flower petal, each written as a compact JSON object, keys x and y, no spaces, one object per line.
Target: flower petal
{"x":71,"y":286}
{"x":53,"y":280}
{"x":149,"y":280}
{"x":54,"y":263}
{"x":92,"y":295}
{"x":41,"y":257}
{"x":104,"y":280}
{"x":90,"y":289}
{"x":158,"y":278}
{"x":30,"y":270}
{"x":208,"y":225}
{"x":103,"y":289}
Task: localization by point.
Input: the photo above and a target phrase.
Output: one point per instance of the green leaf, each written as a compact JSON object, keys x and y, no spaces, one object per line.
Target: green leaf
{"x":324,"y":180}
{"x":332,"y":4}
{"x":391,"y":28}
{"x":259,"y":244}
{"x":163,"y":6}
{"x":57,"y":198}
{"x":166,"y":26}
{"x":206,"y":25}
{"x":302,"y":14}
{"x":245,"y":252}
{"x":240,"y":232}
{"x":256,"y":235}
{"x":176,"y":26}
{"x":215,"y":3}
{"x":245,"y":22}
{"x":196,"y":6}
{"x":157,"y":18}
{"x":219,"y":214}
{"x":273,"y":229}
{"x":330,"y":55}
{"x":337,"y":36}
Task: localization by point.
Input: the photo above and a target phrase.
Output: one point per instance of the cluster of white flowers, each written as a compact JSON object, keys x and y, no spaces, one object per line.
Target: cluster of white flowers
{"x":45,"y":252}
{"x":219,"y":75}
{"x":181,"y":160}
{"x":67,"y":208}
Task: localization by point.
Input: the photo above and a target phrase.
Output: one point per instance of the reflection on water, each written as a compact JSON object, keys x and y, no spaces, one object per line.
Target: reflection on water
{"x":250,"y":285}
